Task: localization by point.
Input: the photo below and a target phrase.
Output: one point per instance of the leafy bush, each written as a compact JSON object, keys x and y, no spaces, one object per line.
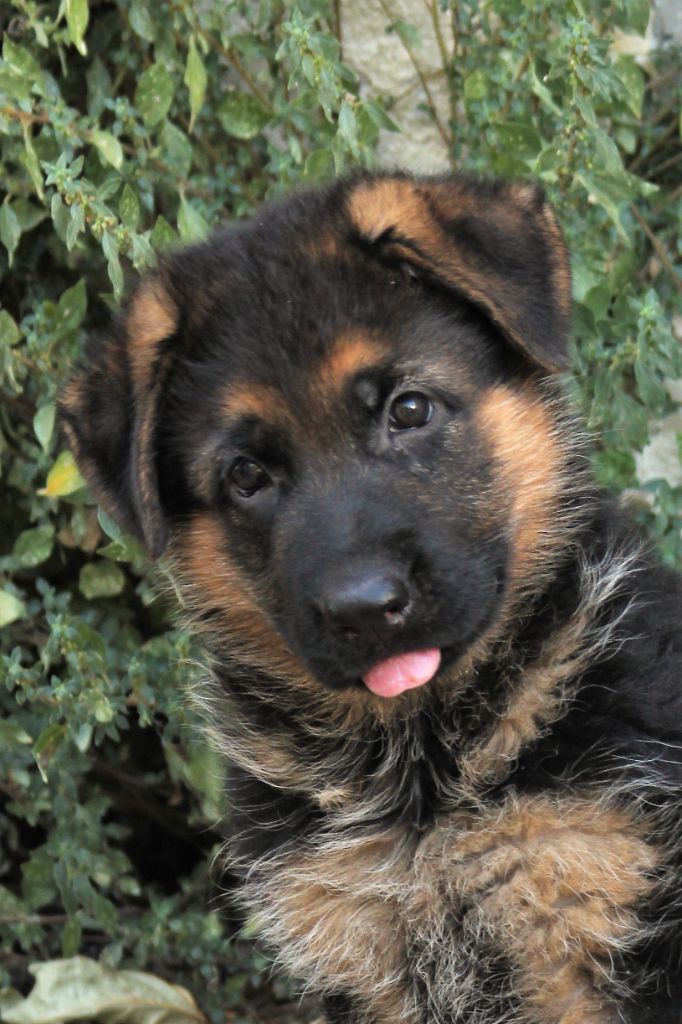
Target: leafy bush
{"x":127,"y":126}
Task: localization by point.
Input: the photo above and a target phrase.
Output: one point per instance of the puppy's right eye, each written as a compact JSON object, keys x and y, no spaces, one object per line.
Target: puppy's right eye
{"x":248,"y":476}
{"x":410,"y":411}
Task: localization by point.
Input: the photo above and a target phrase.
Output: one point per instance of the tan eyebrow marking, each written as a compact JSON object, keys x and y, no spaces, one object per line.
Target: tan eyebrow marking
{"x":258,"y":400}
{"x":351,"y":353}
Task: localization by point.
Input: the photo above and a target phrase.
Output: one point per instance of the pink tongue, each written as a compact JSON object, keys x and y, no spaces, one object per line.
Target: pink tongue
{"x":404,"y":672}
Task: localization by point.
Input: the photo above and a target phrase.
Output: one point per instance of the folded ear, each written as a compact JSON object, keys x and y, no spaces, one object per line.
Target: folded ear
{"x":109,"y":411}
{"x":497,"y":244}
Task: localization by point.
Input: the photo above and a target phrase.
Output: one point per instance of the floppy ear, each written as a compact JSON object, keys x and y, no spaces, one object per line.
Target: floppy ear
{"x":497,"y":244}
{"x":109,"y":411}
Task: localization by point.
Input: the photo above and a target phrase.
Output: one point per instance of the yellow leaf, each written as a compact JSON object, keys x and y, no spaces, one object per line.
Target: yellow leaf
{"x":63,"y":478}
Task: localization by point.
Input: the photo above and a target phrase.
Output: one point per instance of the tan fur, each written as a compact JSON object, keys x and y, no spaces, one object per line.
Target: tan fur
{"x":71,"y":400}
{"x":250,"y":399}
{"x":335,"y":914}
{"x":215,"y":584}
{"x":555,"y":884}
{"x":552,"y":883}
{"x":325,"y":246}
{"x":350,"y":354}
{"x":562,"y":265}
{"x":539,"y":696}
{"x":529,"y":456}
{"x":376,"y":206}
{"x":153,"y":316}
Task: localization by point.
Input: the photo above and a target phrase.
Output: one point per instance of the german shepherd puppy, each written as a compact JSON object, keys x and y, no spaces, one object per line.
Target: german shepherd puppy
{"x":444,"y":673}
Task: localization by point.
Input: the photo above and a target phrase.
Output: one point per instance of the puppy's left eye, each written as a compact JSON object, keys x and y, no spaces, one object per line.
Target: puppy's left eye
{"x":409,"y":411}
{"x":248,"y":476}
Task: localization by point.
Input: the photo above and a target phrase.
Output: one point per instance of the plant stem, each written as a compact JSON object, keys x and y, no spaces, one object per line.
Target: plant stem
{"x":422,"y":78}
{"x":658,"y":247}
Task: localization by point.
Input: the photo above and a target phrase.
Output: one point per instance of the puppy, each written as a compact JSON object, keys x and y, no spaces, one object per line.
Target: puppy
{"x":444,"y":673}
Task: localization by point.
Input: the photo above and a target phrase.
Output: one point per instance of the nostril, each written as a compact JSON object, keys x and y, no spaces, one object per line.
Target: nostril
{"x":395,"y":608}
{"x":397,"y":613}
{"x":365,"y":600}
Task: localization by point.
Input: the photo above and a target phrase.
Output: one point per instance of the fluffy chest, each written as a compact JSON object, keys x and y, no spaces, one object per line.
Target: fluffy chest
{"x":507,"y":913}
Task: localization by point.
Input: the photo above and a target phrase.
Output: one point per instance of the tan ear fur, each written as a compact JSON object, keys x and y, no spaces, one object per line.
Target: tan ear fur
{"x":109,"y":408}
{"x":496,"y":244}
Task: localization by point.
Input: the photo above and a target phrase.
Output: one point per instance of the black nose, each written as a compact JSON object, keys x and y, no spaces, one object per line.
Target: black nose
{"x":366,"y":600}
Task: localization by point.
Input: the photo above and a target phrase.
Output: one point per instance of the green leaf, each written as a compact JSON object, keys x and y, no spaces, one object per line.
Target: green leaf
{"x":9,"y":332}
{"x":63,"y":478}
{"x":192,"y":226}
{"x":520,"y":137}
{"x":163,"y":236}
{"x":99,"y":87}
{"x":476,"y":85}
{"x":200,"y":768}
{"x":11,"y":608}
{"x":28,"y":214}
{"x":319,"y":166}
{"x":632,"y":77}
{"x":47,"y":744}
{"x":71,"y":308}
{"x":10,"y":230}
{"x":75,"y":226}
{"x":16,"y":86}
{"x":347,"y":124}
{"x":43,"y":425}
{"x":609,"y":160}
{"x":541,"y":90}
{"x":141,"y":21}
{"x":115,"y":272}
{"x":20,"y":60}
{"x":29,"y":158}
{"x":608,"y":196}
{"x":101,"y":579}
{"x":129,"y":208}
{"x":34,"y":546}
{"x":109,"y":147}
{"x":154,"y":94}
{"x":649,"y":384}
{"x":122,"y":543}
{"x":72,"y":936}
{"x":77,"y":17}
{"x":195,"y":80}
{"x":634,"y":15}
{"x":79,"y":989}
{"x":409,"y":34}
{"x":118,"y":551}
{"x":242,"y":115}
{"x":379,"y":116}
{"x":12,"y":734}
{"x":177,"y":149}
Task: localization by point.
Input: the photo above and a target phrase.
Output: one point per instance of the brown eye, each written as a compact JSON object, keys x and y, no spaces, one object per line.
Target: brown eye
{"x":409,"y":411}
{"x":248,"y":476}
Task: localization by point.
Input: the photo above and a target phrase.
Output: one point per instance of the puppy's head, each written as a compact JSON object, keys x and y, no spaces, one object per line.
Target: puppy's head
{"x":336,"y":420}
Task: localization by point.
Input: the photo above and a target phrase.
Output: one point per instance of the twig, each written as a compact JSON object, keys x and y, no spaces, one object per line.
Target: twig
{"x":420,"y":74}
{"x":338,"y":26}
{"x":656,"y":144}
{"x":21,"y":115}
{"x":659,"y":248}
{"x":659,"y":168}
{"x":231,"y":57}
{"x":433,"y":11}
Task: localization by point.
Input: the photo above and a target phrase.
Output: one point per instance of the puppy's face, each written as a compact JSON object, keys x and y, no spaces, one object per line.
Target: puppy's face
{"x":332,"y":415}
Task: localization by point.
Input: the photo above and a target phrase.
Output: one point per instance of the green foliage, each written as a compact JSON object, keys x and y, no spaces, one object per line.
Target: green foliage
{"x":125,"y":127}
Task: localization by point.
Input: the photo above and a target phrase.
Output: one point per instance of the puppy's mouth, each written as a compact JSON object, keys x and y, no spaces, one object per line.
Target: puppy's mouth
{"x":393,"y":676}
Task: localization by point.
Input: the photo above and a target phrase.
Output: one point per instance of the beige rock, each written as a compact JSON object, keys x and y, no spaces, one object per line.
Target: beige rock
{"x":385,"y":67}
